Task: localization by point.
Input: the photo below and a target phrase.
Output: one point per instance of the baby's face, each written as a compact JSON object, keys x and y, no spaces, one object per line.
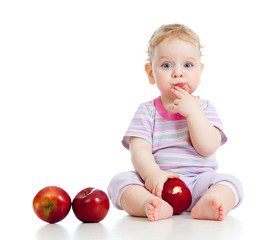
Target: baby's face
{"x":176,"y":62}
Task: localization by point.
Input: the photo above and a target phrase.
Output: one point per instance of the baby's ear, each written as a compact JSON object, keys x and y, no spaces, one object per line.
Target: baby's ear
{"x":149,"y":72}
{"x":201,"y":67}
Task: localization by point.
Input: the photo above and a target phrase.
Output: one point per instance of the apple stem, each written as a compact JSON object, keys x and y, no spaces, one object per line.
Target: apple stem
{"x":51,"y":206}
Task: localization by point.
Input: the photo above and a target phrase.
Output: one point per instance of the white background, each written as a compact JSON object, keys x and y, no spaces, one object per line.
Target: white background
{"x":72,"y":75}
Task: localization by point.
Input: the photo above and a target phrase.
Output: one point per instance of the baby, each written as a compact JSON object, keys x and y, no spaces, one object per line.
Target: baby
{"x":175,"y":136}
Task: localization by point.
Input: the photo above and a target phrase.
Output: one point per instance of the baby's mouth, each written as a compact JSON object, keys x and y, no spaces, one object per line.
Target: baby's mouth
{"x":180,"y":85}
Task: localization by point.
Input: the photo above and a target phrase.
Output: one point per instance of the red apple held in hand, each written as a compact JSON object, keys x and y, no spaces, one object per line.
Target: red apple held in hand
{"x":52,"y":204}
{"x":177,"y":194}
{"x":91,"y":205}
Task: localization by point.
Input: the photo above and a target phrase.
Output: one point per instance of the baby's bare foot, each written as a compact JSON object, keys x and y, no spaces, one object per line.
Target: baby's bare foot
{"x":157,"y":209}
{"x":208,"y":208}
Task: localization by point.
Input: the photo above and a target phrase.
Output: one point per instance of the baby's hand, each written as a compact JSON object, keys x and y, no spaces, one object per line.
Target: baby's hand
{"x":155,"y":182}
{"x":185,"y":104}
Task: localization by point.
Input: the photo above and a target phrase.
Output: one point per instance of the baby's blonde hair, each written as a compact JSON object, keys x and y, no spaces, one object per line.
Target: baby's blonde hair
{"x":172,"y":30}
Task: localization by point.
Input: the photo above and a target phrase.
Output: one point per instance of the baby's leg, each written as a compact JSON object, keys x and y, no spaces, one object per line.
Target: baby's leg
{"x":139,"y":202}
{"x":214,"y":204}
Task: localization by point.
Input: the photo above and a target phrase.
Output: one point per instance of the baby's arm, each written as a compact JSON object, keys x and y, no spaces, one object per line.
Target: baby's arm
{"x":145,"y":165}
{"x":204,"y":136}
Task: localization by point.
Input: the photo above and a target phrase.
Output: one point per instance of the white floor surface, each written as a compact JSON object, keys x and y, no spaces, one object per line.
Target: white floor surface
{"x":239,"y":224}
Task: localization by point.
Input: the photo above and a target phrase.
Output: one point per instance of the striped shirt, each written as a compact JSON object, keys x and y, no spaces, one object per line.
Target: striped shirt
{"x":168,"y":133}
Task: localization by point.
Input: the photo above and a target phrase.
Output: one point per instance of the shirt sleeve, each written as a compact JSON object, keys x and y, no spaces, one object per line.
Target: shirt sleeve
{"x":141,"y":126}
{"x":213,"y":118}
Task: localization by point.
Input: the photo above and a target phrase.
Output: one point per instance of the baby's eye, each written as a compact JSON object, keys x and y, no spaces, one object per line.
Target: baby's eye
{"x":166,"y":65}
{"x":188,"y":65}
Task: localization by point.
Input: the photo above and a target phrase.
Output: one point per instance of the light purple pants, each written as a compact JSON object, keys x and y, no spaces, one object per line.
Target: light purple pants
{"x":197,"y":184}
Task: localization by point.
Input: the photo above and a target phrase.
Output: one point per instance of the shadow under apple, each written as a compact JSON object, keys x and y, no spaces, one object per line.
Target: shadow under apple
{"x":91,"y":231}
{"x":53,"y":232}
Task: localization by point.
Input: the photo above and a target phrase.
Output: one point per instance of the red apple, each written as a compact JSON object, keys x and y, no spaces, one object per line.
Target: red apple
{"x":91,"y":205}
{"x":52,"y":204}
{"x":177,"y":194}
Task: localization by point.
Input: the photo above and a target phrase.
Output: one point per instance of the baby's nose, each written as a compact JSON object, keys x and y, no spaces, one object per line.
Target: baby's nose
{"x":177,"y":73}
